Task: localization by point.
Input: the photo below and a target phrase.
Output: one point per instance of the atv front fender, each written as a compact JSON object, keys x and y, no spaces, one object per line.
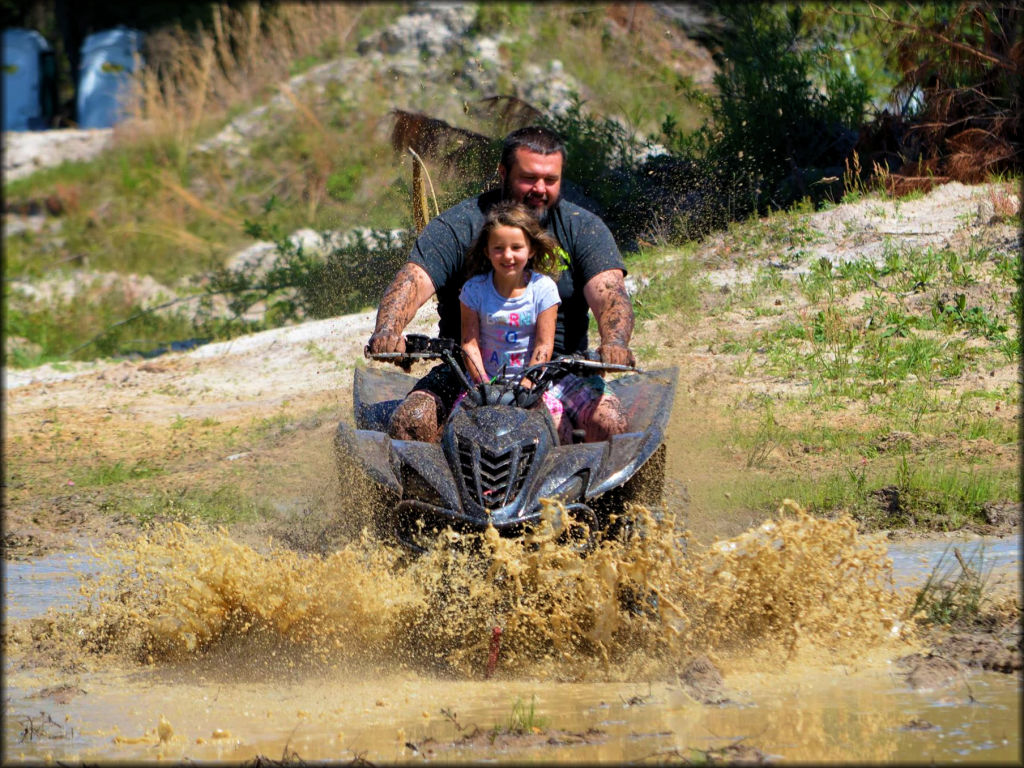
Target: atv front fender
{"x":369,"y":449}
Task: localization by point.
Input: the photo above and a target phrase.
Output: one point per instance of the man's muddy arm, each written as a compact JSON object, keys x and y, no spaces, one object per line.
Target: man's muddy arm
{"x":408,"y":292}
{"x":606,"y":294}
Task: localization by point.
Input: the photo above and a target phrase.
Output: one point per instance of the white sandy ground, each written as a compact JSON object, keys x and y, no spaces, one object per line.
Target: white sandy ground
{"x":269,"y":367}
{"x":864,"y":229}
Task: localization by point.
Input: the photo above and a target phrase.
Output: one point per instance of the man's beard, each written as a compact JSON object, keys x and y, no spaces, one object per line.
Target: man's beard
{"x":541,"y":213}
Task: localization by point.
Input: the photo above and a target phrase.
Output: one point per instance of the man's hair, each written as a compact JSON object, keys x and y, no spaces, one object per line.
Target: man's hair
{"x":535,"y":138}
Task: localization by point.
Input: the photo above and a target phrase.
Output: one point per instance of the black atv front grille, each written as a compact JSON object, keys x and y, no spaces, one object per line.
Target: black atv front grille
{"x":500,"y":477}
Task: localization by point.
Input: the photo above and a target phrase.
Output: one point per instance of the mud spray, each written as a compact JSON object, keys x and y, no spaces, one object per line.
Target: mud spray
{"x":633,"y":610}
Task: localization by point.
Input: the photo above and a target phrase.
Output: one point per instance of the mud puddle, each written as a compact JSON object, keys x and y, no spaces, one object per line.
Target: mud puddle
{"x":913,"y":560}
{"x":832,"y":714}
{"x":31,"y":587}
{"x":777,"y":645}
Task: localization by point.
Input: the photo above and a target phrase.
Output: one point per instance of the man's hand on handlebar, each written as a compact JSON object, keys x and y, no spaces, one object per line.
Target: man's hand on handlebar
{"x":616,"y":354}
{"x":385,"y":341}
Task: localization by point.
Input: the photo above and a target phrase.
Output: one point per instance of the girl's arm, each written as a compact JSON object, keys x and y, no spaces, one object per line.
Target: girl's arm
{"x":544,"y":336}
{"x":471,"y":344}
{"x":543,"y":340}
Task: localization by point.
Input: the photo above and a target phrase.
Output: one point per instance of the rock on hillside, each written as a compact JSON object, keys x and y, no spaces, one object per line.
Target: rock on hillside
{"x":25,"y":152}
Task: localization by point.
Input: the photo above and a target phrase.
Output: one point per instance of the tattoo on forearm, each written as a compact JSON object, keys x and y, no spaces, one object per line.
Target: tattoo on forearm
{"x":616,"y":321}
{"x":398,"y":304}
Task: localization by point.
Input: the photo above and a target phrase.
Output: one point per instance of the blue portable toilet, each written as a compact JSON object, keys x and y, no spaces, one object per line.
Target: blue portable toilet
{"x":29,"y":80}
{"x":104,"y":76}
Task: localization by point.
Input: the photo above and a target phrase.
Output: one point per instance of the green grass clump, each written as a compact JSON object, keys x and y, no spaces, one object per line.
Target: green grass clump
{"x":934,"y":495}
{"x":221,"y":505}
{"x":115,"y":473}
{"x":86,"y":327}
{"x":879,"y":494}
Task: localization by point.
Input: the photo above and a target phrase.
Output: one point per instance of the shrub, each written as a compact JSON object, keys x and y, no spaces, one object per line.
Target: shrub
{"x":92,"y":324}
{"x":785,"y":117}
{"x":616,"y":173}
{"x":786,"y":114}
{"x":348,"y":274}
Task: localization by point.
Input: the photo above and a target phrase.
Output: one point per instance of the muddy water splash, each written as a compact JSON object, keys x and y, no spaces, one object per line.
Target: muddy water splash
{"x":634,"y":608}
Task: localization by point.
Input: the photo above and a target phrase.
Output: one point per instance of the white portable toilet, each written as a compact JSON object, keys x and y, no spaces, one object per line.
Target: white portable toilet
{"x":104,"y":76}
{"x":26,"y":55}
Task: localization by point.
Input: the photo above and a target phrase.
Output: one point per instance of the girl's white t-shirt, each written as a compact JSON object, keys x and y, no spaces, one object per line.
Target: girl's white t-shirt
{"x":508,"y":326}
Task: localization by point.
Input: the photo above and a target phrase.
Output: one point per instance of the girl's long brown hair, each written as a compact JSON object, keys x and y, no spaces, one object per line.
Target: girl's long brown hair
{"x":507,"y":213}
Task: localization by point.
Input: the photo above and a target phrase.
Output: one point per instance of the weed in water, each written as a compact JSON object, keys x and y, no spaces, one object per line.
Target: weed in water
{"x":523,"y":719}
{"x":954,"y":591}
{"x":43,"y":728}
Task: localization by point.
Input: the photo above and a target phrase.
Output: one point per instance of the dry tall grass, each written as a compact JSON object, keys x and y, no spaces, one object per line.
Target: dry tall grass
{"x":194,"y":78}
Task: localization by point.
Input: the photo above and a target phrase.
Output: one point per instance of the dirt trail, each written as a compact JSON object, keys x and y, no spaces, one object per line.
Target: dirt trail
{"x":193,"y":413}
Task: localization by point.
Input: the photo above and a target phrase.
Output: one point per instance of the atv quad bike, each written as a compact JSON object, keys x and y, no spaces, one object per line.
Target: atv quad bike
{"x":499,"y":454}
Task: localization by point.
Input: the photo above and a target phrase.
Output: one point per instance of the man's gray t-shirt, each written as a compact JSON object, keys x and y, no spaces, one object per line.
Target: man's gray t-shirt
{"x":508,"y":326}
{"x":441,"y":251}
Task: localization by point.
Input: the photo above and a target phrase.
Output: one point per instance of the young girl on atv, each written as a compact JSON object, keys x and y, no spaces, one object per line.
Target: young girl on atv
{"x":509,"y":305}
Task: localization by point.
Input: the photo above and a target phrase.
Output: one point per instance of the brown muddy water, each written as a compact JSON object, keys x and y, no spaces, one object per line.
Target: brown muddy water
{"x":780,"y":643}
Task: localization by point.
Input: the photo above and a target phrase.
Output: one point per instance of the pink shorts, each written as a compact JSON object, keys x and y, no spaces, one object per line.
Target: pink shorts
{"x":554,"y":405}
{"x":578,"y":396}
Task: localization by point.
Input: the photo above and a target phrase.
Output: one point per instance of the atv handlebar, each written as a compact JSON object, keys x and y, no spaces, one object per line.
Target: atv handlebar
{"x":506,"y":389}
{"x":420,"y":347}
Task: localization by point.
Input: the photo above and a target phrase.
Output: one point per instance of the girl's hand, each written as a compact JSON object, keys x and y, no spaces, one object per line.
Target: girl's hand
{"x":525,"y":383}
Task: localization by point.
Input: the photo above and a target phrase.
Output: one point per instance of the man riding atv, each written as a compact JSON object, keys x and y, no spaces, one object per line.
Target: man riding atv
{"x":530,"y":168}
